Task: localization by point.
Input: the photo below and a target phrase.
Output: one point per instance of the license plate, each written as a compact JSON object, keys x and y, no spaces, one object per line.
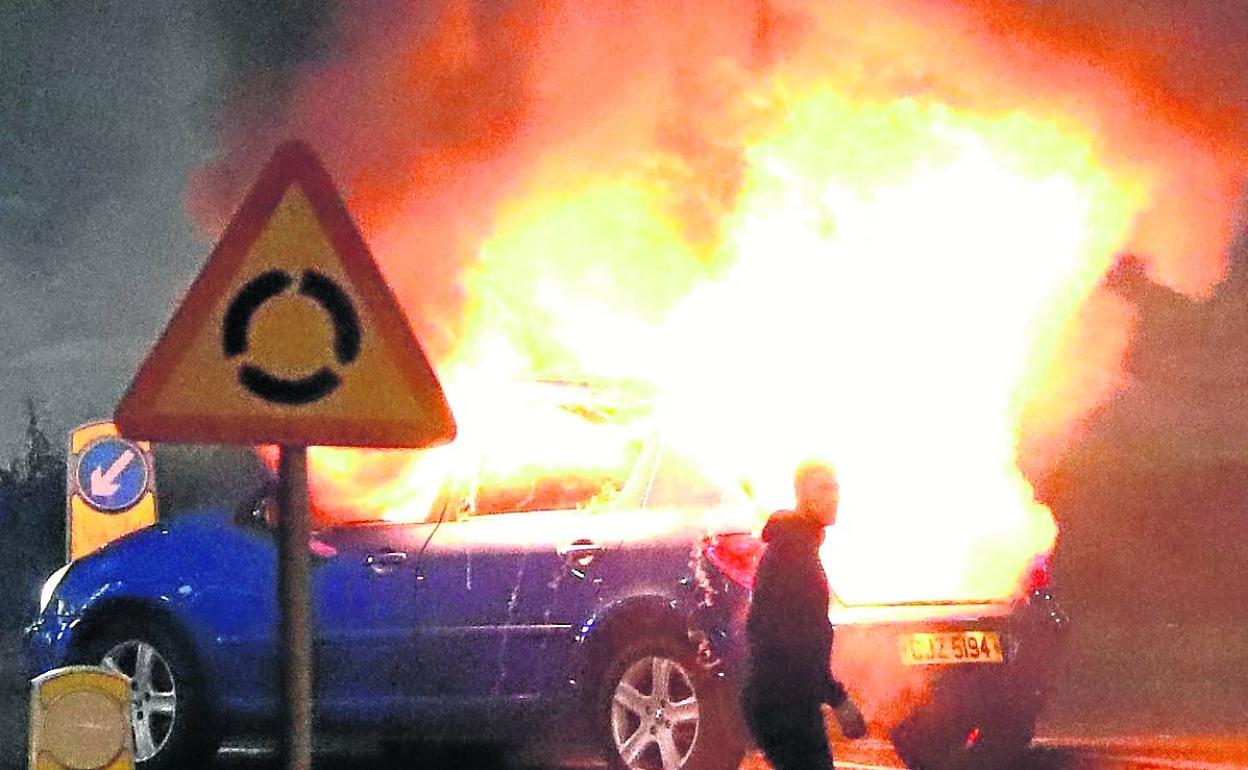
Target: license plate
{"x":950,"y":647}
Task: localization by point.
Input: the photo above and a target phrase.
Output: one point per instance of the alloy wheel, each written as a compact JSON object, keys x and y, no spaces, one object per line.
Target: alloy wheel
{"x":654,"y":714}
{"x":153,"y":694}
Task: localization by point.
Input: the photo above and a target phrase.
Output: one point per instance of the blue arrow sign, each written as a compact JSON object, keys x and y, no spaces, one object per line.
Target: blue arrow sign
{"x":112,"y":474}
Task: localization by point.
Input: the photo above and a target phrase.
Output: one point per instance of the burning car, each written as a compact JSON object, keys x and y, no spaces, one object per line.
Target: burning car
{"x":506,"y":589}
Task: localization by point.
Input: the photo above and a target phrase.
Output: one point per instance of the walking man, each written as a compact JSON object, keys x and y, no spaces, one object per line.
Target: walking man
{"x":790,"y":638}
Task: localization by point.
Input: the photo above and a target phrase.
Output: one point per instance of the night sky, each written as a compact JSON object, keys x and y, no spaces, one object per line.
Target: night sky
{"x":105,"y":110}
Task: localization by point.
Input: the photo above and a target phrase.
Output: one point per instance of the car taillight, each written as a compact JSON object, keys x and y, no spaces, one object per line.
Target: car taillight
{"x":972,"y":738}
{"x":736,"y":555}
{"x":1038,"y":574}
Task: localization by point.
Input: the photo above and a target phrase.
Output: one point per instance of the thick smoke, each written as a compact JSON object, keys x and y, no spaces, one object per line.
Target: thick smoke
{"x":433,"y":118}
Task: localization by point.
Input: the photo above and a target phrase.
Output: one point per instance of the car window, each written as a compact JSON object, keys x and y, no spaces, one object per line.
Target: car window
{"x":680,"y":482}
{"x":563,"y":462}
{"x":356,"y":486}
{"x":194,"y":477}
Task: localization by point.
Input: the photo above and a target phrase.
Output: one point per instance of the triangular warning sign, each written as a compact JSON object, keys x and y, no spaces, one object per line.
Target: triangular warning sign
{"x":289,"y":334}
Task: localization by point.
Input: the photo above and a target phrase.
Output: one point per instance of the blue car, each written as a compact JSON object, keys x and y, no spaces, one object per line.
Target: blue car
{"x":588,"y":591}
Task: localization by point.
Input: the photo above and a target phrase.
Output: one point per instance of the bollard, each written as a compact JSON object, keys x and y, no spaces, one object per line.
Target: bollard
{"x":80,"y":720}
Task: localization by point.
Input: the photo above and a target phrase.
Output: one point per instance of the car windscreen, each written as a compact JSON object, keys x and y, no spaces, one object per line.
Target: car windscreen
{"x":558,"y":460}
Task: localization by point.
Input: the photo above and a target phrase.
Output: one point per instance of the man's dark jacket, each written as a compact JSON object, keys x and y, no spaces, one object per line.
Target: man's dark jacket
{"x":789,"y":635}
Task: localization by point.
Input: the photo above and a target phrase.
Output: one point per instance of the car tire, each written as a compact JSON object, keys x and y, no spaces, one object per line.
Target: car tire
{"x":172,"y":725}
{"x":658,"y":709}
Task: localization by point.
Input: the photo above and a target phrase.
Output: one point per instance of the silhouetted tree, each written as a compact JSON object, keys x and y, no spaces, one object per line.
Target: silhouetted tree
{"x":32,"y":527}
{"x":42,"y":460}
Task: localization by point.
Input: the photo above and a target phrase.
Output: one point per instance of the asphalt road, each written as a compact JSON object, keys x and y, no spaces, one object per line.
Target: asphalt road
{"x":1112,"y":704}
{"x":1047,"y":753}
{"x":1126,"y":735}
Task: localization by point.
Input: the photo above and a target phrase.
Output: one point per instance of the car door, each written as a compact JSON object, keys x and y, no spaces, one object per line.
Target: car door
{"x":559,"y":554}
{"x":363,"y":584}
{"x":545,"y":524}
{"x":460,"y":608}
{"x":505,"y":583}
{"x":496,"y":623}
{"x":365,"y":578}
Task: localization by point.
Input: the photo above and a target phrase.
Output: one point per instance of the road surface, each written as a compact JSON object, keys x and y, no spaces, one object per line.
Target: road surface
{"x":1048,"y":753}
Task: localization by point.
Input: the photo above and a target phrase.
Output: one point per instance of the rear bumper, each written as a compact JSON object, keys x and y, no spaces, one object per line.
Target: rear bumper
{"x":987,"y":712}
{"x":1032,"y":637}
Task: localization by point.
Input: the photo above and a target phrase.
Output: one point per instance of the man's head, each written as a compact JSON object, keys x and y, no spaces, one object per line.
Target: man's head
{"x":817,"y":491}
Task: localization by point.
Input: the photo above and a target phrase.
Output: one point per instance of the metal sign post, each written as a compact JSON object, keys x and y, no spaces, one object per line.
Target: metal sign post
{"x":294,"y":530}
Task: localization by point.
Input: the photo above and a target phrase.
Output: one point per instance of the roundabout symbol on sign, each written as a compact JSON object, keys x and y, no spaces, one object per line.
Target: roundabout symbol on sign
{"x":282,"y":390}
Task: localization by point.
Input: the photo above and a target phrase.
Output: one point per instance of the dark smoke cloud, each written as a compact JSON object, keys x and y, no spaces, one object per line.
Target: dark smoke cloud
{"x":1182,"y":65}
{"x":432,"y":116}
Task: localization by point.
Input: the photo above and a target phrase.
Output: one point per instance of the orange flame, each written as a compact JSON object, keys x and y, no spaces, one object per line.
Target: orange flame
{"x":870,"y":232}
{"x":886,"y":300}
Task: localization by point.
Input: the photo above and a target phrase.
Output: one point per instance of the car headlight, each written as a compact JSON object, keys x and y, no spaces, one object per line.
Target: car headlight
{"x":49,"y":587}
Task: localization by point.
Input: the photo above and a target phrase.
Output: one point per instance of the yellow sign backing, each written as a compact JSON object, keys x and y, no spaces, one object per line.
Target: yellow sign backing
{"x":91,"y":525}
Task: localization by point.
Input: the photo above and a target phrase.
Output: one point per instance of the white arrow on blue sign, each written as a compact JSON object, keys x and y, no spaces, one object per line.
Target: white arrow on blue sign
{"x":112,"y":474}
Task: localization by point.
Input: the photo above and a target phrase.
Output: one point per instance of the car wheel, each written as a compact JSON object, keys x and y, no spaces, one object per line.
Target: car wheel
{"x":171,"y":726}
{"x":659,"y":710}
